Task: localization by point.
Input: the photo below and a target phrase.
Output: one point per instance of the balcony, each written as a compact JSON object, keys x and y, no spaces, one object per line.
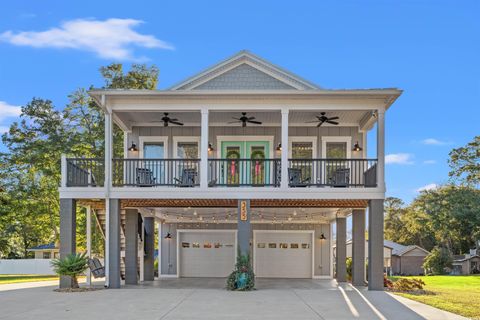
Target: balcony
{"x":185,"y":173}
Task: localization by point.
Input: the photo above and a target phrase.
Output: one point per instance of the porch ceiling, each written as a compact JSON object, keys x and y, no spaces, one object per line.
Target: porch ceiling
{"x":231,"y":203}
{"x":221,"y":118}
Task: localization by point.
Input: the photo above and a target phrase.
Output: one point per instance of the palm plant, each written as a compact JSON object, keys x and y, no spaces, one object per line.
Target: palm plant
{"x":72,"y":265}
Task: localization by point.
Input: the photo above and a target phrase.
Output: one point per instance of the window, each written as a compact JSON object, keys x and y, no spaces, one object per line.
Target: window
{"x":293,"y":245}
{"x":47,"y":255}
{"x":272,"y":245}
{"x":261,"y":245}
{"x":185,"y":245}
{"x":336,"y":150}
{"x":187,"y":150}
{"x":305,"y":246}
{"x":153,"y":150}
{"x":302,"y":150}
{"x":283,"y":245}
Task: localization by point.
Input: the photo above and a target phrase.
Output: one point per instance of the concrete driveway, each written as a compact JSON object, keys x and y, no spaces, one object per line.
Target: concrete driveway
{"x":205,"y":299}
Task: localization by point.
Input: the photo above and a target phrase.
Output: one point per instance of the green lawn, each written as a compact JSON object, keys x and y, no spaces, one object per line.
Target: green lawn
{"x":16,"y":278}
{"x":457,"y":294}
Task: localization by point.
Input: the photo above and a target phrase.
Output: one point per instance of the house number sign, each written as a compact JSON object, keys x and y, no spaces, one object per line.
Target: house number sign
{"x":243,"y":211}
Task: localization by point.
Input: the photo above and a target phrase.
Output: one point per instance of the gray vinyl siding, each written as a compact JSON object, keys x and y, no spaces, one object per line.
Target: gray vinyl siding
{"x":214,"y":132}
{"x":168,"y":247}
{"x":244,"y":77}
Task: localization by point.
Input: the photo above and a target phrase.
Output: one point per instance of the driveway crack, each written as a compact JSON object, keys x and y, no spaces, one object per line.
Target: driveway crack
{"x":177,"y":304}
{"x":308,"y":305}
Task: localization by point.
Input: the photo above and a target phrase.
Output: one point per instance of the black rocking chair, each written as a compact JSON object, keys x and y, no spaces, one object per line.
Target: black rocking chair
{"x":295,"y":178}
{"x":187,"y":179}
{"x":145,"y":177}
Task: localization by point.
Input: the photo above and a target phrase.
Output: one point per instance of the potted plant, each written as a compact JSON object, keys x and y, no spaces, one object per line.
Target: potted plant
{"x":242,"y":278}
{"x":72,"y":265}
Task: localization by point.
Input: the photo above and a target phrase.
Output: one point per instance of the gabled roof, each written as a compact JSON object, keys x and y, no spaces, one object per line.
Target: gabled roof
{"x":48,"y":246}
{"x":245,"y":71}
{"x":400,"y":249}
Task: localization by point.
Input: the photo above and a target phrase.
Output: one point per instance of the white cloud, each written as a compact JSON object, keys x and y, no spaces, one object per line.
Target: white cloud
{"x":109,"y":39}
{"x":433,"y":142}
{"x":430,"y":162}
{"x":4,"y":129}
{"x":431,"y":186}
{"x":399,"y":158}
{"x":8,"y":110}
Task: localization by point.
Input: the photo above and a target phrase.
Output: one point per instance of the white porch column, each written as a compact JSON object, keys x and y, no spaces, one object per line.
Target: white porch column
{"x":204,"y":150}
{"x":381,"y":148}
{"x":89,"y":242}
{"x":284,"y":181}
{"x":107,"y":182}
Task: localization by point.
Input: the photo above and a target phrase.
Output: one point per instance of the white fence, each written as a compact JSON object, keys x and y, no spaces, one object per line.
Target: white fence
{"x":26,"y":266}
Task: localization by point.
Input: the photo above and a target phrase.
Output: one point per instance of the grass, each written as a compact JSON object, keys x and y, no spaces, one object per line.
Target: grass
{"x":457,"y":294}
{"x":17,"y":278}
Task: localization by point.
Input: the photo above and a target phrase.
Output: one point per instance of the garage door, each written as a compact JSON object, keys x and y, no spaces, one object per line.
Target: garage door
{"x":206,"y":254}
{"x":283,"y":254}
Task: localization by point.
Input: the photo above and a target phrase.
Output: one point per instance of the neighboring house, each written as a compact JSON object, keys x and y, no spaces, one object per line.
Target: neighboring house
{"x":387,"y":254}
{"x":468,"y":263}
{"x":45,"y":251}
{"x":242,"y":155}
{"x":407,"y":260}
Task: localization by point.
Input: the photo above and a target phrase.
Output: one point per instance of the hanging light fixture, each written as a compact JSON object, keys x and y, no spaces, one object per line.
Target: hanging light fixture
{"x":279,"y":147}
{"x":322,"y":237}
{"x":356,"y":147}
{"x":210,"y":147}
{"x":133,"y":147}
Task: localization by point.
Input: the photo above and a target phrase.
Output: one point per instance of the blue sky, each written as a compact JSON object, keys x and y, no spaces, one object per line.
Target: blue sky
{"x":430,"y":49}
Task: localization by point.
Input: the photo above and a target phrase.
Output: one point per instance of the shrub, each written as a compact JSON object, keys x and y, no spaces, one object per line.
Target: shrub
{"x":72,"y":265}
{"x":408,"y":284}
{"x":387,"y":283}
{"x":349,"y":263}
{"x":242,"y":278}
{"x":437,"y":261}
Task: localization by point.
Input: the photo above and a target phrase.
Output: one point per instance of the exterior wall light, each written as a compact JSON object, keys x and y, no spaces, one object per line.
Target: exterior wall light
{"x":168,"y":236}
{"x":210,"y":147}
{"x":356,"y":147}
{"x":322,"y":237}
{"x":279,"y":147}
{"x":133,"y":147}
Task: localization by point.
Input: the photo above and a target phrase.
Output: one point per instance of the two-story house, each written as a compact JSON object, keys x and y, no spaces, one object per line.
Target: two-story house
{"x":242,"y":158}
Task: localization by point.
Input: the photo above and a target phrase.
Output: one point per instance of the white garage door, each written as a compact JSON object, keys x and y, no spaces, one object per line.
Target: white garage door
{"x":283,"y":254}
{"x":206,"y":254}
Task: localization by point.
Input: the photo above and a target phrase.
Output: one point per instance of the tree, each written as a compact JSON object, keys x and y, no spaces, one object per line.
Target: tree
{"x":30,"y":168}
{"x":465,"y":163}
{"x":438,"y":260}
{"x":72,"y":265}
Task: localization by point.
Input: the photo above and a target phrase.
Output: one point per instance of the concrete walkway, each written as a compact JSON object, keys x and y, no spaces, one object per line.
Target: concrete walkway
{"x":205,"y":299}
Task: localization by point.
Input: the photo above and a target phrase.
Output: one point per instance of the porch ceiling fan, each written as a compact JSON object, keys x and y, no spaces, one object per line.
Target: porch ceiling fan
{"x":244,"y":119}
{"x":166,"y":120}
{"x":322,"y":118}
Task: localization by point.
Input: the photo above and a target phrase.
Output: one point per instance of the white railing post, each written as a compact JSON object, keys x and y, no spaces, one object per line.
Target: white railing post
{"x":63,"y":168}
{"x":89,"y":242}
{"x":381,"y":149}
{"x":284,"y":181}
{"x":204,"y":150}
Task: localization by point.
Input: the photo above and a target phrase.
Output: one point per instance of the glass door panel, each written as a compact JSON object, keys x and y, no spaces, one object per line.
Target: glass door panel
{"x":231,"y":169}
{"x":304,"y":151}
{"x":259,"y":170}
{"x":337,"y":173}
{"x":154,"y":170}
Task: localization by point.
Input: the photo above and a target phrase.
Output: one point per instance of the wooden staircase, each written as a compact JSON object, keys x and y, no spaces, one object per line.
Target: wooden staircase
{"x":101,"y":221}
